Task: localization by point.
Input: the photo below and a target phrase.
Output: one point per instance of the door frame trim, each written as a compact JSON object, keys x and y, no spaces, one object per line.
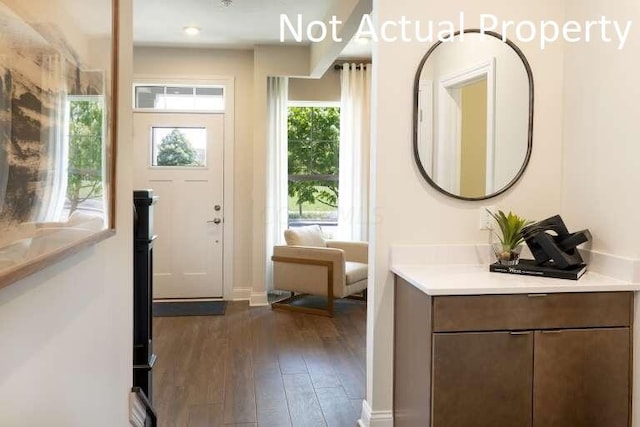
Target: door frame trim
{"x":228,"y":149}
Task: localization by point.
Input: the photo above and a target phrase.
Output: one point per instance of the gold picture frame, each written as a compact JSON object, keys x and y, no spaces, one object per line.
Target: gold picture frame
{"x":58,"y":124}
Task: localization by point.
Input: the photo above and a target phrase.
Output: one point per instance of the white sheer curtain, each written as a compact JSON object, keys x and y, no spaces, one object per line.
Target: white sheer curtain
{"x":355,"y":119}
{"x":277,"y":184}
{"x":55,"y":176}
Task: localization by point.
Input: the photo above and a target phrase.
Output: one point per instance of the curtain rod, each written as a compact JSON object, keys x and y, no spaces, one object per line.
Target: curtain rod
{"x":338,"y":67}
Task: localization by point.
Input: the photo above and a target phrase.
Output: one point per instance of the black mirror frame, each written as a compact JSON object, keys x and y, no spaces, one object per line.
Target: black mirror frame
{"x":416,"y":84}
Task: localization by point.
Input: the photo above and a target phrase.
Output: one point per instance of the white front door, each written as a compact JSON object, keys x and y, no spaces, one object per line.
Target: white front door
{"x":180,"y":157}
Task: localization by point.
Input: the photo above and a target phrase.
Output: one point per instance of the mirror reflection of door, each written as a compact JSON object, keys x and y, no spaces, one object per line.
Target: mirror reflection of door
{"x":473,"y":116}
{"x":473,"y":139}
{"x":466,"y":104}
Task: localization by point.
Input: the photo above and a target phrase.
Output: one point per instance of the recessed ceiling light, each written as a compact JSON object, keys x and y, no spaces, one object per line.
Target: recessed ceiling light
{"x":191,"y":31}
{"x":226,"y":3}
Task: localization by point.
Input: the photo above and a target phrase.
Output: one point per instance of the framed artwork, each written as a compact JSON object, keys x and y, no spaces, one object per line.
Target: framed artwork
{"x":58,"y":86}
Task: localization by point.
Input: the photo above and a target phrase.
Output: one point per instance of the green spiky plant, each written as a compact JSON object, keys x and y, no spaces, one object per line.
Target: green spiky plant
{"x":511,"y":226}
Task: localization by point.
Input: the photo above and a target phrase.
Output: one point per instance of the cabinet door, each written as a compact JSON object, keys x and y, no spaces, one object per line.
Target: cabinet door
{"x":581,"y":378}
{"x":482,"y":379}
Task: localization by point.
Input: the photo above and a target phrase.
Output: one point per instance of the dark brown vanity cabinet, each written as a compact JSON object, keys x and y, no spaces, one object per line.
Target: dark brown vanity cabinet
{"x":582,"y":378}
{"x":553,"y":360}
{"x":482,"y":379}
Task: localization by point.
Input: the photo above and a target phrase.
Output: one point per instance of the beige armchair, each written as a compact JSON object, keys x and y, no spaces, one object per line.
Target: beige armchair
{"x":308,"y":264}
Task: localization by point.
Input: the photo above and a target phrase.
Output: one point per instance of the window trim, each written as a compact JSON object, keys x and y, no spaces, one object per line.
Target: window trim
{"x":311,"y":104}
{"x":170,"y":83}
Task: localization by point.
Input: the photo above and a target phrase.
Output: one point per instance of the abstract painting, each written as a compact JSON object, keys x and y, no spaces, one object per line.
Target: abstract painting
{"x":57,"y":127}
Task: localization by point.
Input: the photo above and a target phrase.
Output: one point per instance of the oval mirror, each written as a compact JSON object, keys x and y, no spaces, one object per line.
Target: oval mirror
{"x":473,"y":115}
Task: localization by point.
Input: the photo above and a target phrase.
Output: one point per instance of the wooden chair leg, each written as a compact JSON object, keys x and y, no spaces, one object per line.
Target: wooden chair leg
{"x":287,"y":305}
{"x":356,"y":297}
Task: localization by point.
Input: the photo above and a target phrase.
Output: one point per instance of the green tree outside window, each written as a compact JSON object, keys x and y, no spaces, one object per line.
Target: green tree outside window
{"x":176,"y":150}
{"x":84,"y":180}
{"x":313,"y":154}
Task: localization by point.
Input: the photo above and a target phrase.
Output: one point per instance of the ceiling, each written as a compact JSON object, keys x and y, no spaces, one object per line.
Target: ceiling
{"x":241,"y":25}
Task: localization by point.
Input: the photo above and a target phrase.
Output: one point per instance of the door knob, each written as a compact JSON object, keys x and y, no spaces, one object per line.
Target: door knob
{"x":216,"y":221}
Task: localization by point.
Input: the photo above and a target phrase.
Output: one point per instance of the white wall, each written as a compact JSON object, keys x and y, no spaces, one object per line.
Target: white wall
{"x":325,"y":89}
{"x":349,"y":13}
{"x":66,"y":334}
{"x":184,"y":62}
{"x":405,"y":208}
{"x":601,"y":149}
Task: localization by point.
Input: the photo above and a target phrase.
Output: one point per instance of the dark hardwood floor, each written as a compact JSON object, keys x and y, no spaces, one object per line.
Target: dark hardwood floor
{"x":258,"y":367}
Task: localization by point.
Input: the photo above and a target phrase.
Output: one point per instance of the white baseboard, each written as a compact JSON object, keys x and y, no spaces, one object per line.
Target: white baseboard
{"x":258,"y":299}
{"x":370,"y":418}
{"x":241,"y":294}
{"x":186,"y":299}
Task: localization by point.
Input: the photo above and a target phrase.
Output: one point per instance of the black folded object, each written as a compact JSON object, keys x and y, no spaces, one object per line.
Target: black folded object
{"x":550,"y":241}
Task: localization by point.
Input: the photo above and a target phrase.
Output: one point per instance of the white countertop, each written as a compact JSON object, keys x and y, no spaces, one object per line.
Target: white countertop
{"x":463,"y":279}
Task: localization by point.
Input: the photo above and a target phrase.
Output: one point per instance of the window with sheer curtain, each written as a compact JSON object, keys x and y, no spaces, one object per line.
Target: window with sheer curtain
{"x":318,"y":160}
{"x":313,"y":138}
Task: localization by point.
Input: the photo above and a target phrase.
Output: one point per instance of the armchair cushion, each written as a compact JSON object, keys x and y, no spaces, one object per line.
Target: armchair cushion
{"x":305,"y":236}
{"x":305,"y":278}
{"x":353,"y":251}
{"x":355,"y":272}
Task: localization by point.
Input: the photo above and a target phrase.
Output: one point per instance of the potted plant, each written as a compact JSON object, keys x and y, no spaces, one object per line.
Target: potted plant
{"x":508,"y":250}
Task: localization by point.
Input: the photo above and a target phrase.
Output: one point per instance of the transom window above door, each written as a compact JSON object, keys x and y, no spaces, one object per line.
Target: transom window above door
{"x":179,"y":98}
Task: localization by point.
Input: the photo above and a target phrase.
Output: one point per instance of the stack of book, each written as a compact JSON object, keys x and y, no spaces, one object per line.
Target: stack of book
{"x":528,"y":267}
